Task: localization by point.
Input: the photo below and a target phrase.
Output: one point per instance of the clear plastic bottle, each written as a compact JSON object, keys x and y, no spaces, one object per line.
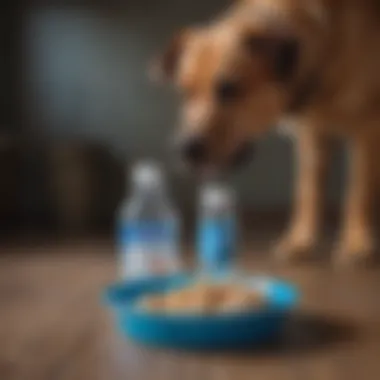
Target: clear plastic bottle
{"x":148,"y":226}
{"x":217,"y":229}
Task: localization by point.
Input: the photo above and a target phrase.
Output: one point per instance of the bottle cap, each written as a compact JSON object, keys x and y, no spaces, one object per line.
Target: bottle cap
{"x":217,"y":195}
{"x":147,"y":173}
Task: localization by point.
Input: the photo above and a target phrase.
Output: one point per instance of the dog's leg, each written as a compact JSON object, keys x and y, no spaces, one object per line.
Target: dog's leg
{"x":356,"y":243}
{"x":313,"y":152}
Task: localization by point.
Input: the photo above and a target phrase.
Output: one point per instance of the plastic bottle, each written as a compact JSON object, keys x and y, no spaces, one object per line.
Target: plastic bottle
{"x":148,"y":226}
{"x":217,"y":229}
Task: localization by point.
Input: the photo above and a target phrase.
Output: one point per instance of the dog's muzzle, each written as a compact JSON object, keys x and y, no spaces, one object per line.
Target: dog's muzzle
{"x":193,"y":152}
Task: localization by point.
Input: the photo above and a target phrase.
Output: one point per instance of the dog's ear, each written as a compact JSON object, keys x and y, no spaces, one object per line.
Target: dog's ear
{"x":280,"y":52}
{"x":164,"y":67}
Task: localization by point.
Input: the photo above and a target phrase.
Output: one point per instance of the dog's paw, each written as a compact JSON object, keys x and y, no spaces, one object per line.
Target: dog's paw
{"x":294,"y":247}
{"x":354,"y":251}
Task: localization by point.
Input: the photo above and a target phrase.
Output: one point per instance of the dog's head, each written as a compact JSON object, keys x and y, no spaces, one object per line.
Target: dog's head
{"x":236,"y":78}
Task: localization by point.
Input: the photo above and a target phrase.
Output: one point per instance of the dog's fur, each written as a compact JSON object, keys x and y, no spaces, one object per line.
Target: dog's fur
{"x":315,"y":61}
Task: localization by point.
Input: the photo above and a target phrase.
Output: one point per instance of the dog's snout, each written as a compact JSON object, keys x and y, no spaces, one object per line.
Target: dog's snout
{"x":193,"y":149}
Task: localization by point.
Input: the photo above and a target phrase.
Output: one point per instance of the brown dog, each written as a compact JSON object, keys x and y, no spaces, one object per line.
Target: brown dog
{"x":315,"y":61}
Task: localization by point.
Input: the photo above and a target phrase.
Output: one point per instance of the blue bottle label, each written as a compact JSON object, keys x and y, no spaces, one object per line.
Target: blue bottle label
{"x":145,"y":232}
{"x":217,"y":242}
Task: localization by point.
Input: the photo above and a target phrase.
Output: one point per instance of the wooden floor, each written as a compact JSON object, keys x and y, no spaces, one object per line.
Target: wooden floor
{"x":52,"y":326}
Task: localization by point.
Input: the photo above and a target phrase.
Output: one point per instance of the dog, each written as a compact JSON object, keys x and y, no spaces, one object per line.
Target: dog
{"x":313,"y":62}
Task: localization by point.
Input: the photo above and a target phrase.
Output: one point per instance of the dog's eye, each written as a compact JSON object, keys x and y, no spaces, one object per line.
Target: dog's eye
{"x":281,"y":52}
{"x":257,"y":44}
{"x":226,"y":90}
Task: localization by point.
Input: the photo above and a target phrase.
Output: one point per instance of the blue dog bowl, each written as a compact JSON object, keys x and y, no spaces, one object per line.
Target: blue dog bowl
{"x":190,"y":331}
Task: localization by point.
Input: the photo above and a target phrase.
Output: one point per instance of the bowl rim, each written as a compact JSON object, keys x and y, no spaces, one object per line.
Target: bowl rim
{"x":131,"y":308}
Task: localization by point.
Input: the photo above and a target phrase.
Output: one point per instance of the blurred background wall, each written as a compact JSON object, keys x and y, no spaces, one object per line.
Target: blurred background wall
{"x":78,"y":73}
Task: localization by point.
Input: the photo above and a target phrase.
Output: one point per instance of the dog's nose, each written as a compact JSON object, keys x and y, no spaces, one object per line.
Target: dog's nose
{"x":193,"y":149}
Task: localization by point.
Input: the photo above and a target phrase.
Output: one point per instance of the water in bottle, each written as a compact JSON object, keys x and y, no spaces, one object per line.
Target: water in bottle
{"x":217,"y":227}
{"x":148,"y":226}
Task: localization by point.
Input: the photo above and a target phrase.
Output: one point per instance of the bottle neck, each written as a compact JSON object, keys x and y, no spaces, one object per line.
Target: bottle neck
{"x":217,"y":200}
{"x":156,"y":192}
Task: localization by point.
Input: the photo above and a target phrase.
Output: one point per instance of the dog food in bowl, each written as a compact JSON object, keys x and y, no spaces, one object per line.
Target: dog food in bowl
{"x":205,"y":298}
